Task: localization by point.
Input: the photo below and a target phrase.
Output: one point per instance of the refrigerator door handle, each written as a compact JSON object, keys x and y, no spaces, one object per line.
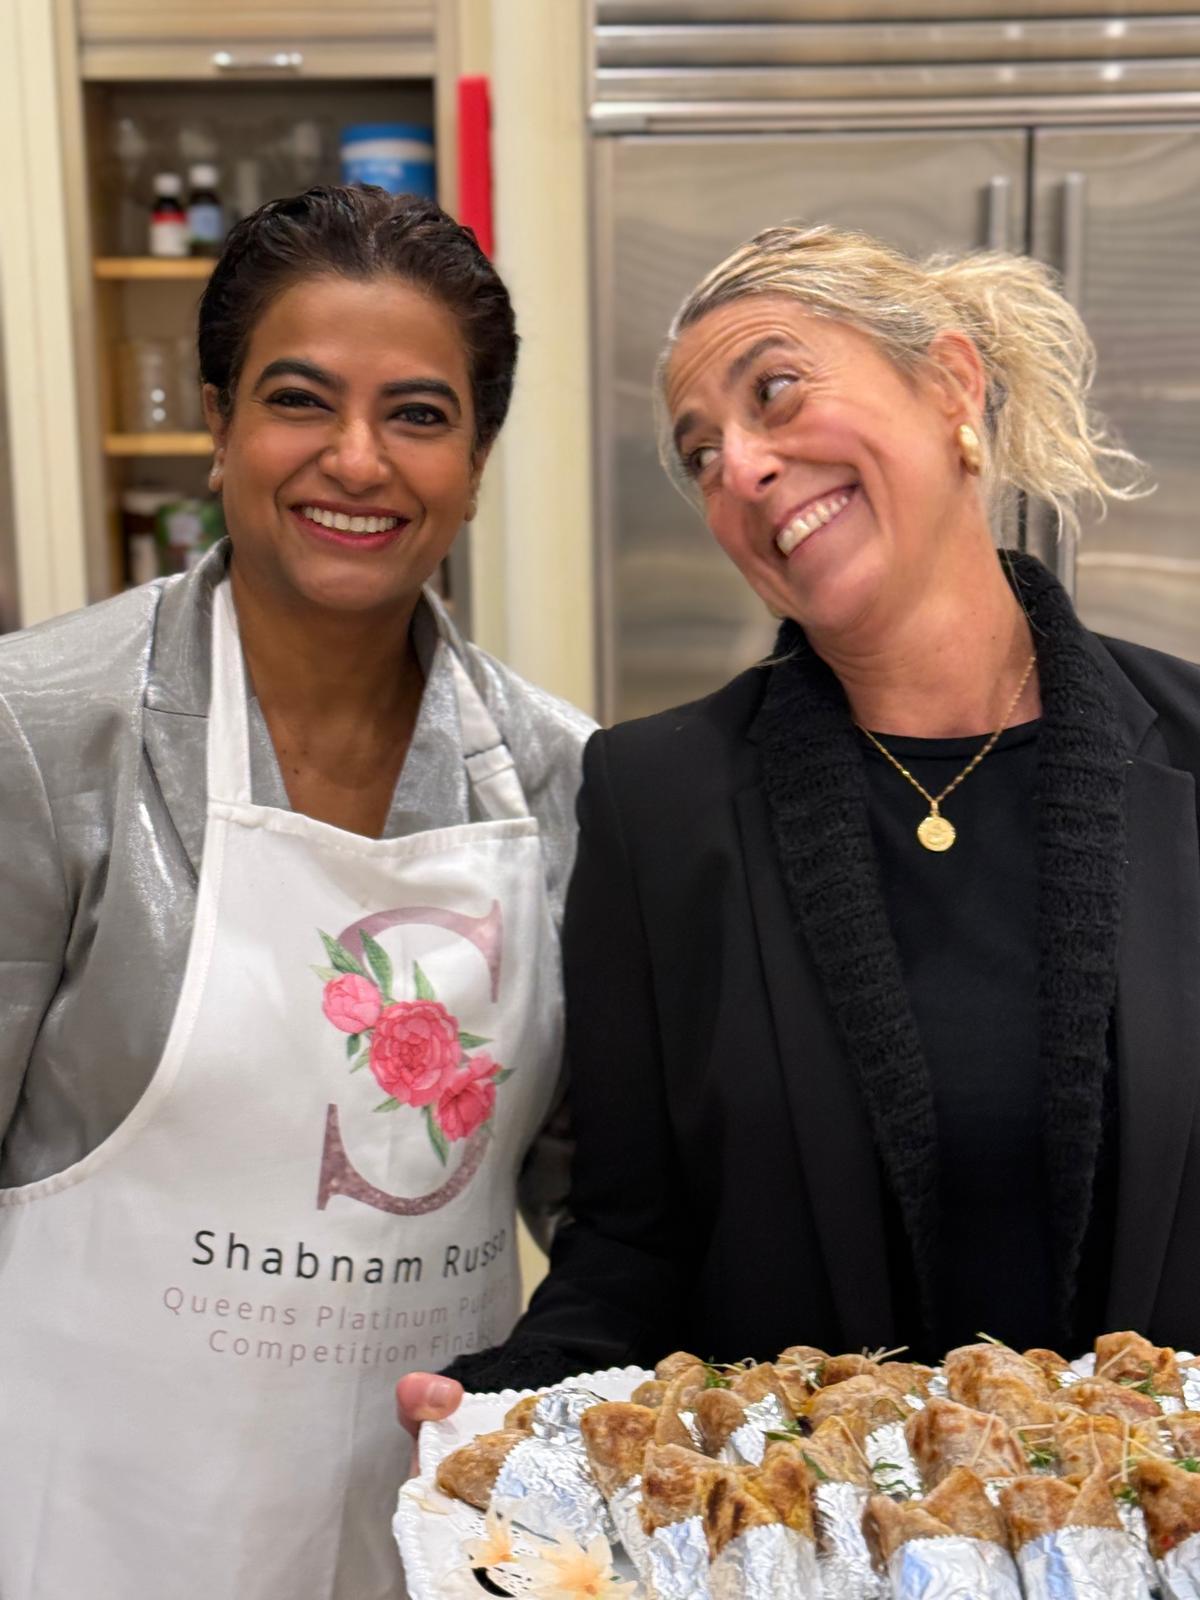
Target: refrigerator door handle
{"x":998,"y":209}
{"x":274,"y":61}
{"x":1072,"y":246}
{"x":1071,"y":249}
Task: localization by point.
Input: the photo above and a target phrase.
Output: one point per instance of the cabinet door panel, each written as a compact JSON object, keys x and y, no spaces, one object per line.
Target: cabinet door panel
{"x":1118,"y":210}
{"x":677,"y":620}
{"x":288,"y":21}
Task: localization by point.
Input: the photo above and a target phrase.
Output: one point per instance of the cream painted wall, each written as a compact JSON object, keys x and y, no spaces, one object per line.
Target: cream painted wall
{"x":531,"y":542}
{"x":35,"y":305}
{"x":532,"y":552}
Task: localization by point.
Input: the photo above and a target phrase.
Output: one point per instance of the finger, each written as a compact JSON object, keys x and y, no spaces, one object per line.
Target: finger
{"x":426,"y":1397}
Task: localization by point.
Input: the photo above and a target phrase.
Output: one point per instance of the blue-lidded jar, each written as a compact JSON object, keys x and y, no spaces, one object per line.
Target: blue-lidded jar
{"x":398,"y":156}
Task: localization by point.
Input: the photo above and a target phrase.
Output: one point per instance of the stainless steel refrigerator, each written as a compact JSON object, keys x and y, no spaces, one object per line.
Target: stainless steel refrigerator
{"x":1072,"y":133}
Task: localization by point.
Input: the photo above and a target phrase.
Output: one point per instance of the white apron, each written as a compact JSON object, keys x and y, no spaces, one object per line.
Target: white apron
{"x":201,"y":1323}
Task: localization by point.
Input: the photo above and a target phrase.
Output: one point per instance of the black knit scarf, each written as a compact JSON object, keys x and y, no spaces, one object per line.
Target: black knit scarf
{"x":815,"y":786}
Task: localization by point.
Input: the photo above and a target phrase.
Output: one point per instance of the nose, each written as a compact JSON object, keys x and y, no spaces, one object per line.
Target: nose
{"x":749,"y":465}
{"x":355,"y":457}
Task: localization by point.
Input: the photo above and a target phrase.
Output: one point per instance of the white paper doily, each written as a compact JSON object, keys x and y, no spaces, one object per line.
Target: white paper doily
{"x":430,"y":1527}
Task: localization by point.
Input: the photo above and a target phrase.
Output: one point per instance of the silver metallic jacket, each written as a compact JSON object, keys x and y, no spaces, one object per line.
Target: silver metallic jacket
{"x":103,"y":731}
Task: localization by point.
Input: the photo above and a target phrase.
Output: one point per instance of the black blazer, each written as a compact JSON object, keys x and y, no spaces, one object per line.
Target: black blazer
{"x":727,"y":1191}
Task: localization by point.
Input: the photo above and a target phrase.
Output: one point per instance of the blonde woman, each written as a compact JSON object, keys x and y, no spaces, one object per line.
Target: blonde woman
{"x":883,"y":962}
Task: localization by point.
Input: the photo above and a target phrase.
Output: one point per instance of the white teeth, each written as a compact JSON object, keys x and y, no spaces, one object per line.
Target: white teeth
{"x":343,"y":523}
{"x":799,"y":528}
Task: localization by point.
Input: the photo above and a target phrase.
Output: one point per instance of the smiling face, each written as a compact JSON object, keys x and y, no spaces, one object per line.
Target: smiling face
{"x":348,"y":462}
{"x":828,"y":477}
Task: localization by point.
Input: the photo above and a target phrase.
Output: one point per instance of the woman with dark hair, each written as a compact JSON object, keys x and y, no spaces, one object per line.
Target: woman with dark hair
{"x":283,"y":867}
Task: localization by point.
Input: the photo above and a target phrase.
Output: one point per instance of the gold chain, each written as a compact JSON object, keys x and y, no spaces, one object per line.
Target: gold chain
{"x":937,"y":832}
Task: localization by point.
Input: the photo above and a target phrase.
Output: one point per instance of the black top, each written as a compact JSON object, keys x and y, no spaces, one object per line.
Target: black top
{"x":739,"y":1021}
{"x":965,"y":925}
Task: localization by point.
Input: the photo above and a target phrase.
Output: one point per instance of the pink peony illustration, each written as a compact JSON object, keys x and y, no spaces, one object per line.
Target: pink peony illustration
{"x":468,"y":1099}
{"x":414,"y":1049}
{"x":352,"y":1003}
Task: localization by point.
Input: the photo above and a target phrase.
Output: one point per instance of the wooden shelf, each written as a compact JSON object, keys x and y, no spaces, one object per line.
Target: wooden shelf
{"x":157,"y":444}
{"x":156,"y":268}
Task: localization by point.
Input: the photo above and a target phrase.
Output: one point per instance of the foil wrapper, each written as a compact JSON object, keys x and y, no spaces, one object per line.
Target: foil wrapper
{"x":891,"y":1462}
{"x":938,"y":1388}
{"x":748,"y":1443}
{"x":548,"y":1488}
{"x":692,"y":1428}
{"x":953,"y":1568}
{"x":1082,"y":1564}
{"x":557,"y":1413}
{"x":1179,"y":1570}
{"x":771,"y":1563}
{"x":677,"y":1561}
{"x":843,"y":1556}
{"x":625,"y":1509}
{"x":1191,"y":1388}
{"x":1134,"y":1522}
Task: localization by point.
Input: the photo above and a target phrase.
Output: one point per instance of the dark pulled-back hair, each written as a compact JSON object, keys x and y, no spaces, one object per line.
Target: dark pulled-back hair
{"x":359,"y":232}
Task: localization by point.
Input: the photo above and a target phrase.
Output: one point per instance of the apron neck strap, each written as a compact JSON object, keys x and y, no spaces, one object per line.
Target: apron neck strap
{"x":228,"y":724}
{"x":491,"y":771}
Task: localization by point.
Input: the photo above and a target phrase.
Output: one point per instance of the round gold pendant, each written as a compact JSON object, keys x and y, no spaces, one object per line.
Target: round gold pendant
{"x":936,"y":832}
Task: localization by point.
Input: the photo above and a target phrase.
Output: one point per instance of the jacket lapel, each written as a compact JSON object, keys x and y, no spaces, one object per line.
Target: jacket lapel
{"x":175,"y":711}
{"x":815,"y":793}
{"x":839,"y":1166}
{"x":1158,"y":1025}
{"x":1083,"y":764}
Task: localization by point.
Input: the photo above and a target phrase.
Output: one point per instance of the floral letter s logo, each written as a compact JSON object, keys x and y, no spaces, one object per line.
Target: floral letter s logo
{"x":415,"y":1049}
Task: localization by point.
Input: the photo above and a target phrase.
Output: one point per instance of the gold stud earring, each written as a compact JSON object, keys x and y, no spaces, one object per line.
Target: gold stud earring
{"x":970,"y":449}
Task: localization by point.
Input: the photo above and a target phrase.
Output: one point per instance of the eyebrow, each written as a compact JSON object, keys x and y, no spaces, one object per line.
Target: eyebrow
{"x":737,"y":368}
{"x":741,"y":364}
{"x":296,"y":367}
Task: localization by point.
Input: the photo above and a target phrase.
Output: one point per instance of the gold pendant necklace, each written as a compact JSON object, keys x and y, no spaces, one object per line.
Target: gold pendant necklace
{"x":935,"y":831}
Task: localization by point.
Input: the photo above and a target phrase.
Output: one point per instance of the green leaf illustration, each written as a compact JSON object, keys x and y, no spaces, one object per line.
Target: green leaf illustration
{"x":471,"y":1041}
{"x":362,"y":1061}
{"x":436,"y":1137}
{"x":422,"y":984}
{"x":340,"y":956}
{"x":381,"y":965}
{"x":353,"y":1040}
{"x":504,"y":1074}
{"x":327,"y":974}
{"x":389,"y":1104}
